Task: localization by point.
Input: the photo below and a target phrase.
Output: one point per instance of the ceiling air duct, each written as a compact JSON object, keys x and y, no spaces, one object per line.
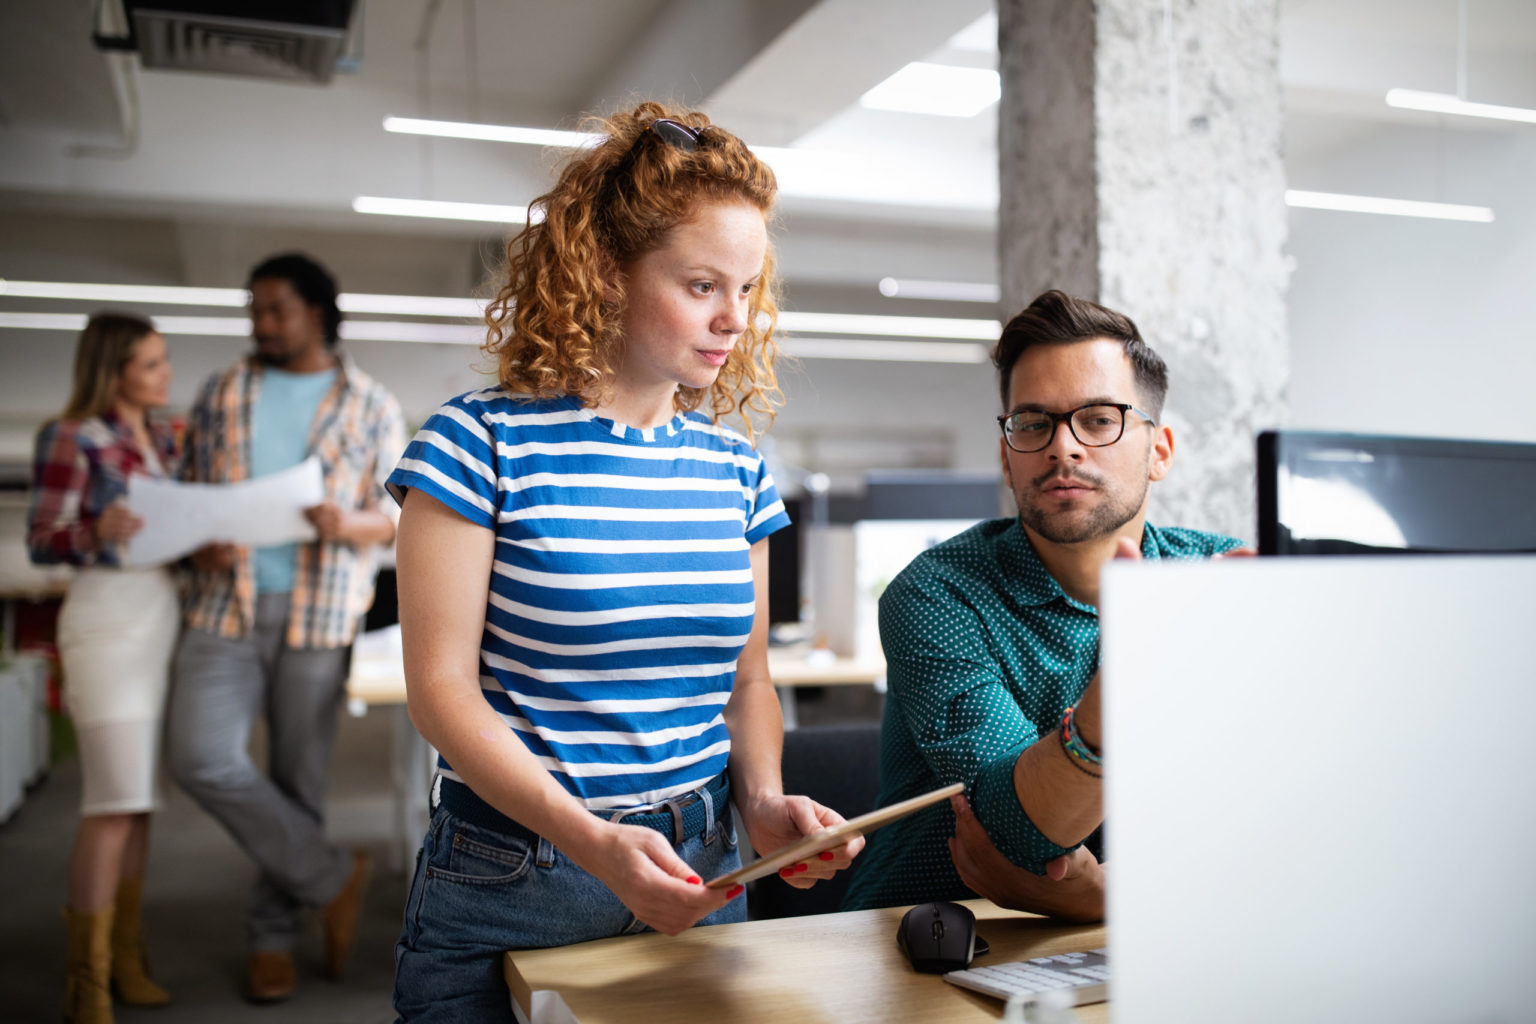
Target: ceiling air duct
{"x":298,"y":40}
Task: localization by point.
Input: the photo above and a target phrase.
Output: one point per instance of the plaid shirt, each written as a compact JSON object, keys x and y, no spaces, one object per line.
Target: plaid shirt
{"x":80,"y":467}
{"x":358,"y":433}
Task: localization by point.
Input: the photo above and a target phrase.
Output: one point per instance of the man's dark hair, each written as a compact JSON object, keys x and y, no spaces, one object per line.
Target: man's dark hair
{"x":1056,"y":318}
{"x":313,"y":282}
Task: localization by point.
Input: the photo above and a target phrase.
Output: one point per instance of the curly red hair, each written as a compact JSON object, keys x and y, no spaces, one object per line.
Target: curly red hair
{"x":556,"y":323}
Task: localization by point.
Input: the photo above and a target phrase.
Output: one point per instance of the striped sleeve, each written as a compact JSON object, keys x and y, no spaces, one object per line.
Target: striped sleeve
{"x":452,"y":458}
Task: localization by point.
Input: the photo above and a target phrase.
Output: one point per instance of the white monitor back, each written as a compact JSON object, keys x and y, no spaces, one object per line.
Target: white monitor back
{"x":1321,"y":790}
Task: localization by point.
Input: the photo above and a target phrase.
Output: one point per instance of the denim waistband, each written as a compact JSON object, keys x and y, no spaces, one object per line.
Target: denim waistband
{"x":680,"y":818}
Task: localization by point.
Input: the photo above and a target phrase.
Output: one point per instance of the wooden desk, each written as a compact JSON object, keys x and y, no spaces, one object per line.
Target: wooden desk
{"x":802,"y":970}
{"x":380,"y":679}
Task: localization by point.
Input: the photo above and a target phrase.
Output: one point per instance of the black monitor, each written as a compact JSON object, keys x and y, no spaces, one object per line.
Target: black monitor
{"x":784,"y":566}
{"x":931,"y":494}
{"x":1325,"y":494}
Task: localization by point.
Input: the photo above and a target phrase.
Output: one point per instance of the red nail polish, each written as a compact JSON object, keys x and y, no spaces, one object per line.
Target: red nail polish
{"x":802,"y":867}
{"x":695,"y":880}
{"x":736,"y":890}
{"x":826,"y":854}
{"x":786,"y":872}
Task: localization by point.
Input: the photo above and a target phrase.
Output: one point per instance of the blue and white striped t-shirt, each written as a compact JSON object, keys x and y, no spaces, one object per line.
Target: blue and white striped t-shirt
{"x":621,"y":593}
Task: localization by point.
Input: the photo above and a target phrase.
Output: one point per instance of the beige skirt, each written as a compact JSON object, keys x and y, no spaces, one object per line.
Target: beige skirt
{"x":117,"y":631}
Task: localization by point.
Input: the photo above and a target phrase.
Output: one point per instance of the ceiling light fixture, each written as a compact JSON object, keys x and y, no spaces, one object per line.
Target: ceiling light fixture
{"x":898,"y":326}
{"x":941,"y":89}
{"x":490,"y":132}
{"x":1445,"y":103}
{"x":885,"y":351}
{"x":441,"y":210}
{"x":349,"y":302}
{"x":941,"y":291}
{"x":173,"y":296}
{"x":1392,"y":207}
{"x":240,"y":327}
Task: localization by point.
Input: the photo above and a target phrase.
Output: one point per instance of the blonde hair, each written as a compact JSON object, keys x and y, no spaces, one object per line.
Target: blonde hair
{"x":555,"y":325}
{"x":102,"y":352}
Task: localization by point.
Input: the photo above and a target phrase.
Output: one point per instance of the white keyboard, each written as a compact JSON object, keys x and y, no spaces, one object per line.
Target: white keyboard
{"x":1084,"y":975}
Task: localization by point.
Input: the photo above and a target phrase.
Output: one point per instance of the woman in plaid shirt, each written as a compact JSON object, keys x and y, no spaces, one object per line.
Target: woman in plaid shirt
{"x":116,"y":631}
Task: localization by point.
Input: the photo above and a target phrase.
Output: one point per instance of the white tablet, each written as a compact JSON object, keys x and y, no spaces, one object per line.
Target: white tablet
{"x":837,"y":835}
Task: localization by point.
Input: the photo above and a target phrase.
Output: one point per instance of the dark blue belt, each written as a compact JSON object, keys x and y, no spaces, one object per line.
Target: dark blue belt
{"x":679,"y":818}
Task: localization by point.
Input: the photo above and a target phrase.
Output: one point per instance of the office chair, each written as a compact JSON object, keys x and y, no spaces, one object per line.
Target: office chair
{"x":835,"y":765}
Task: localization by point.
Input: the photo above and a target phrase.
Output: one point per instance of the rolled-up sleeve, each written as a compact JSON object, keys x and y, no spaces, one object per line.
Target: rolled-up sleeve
{"x":954,"y":698}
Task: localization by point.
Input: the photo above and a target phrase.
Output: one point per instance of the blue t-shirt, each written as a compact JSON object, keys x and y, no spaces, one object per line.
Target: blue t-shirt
{"x":621,"y":592}
{"x":280,"y":424}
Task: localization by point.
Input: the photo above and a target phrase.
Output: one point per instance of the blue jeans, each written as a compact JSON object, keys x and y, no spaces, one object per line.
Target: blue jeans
{"x":477,"y":893}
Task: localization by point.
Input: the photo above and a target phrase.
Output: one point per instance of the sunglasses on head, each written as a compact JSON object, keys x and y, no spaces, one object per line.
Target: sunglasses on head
{"x":670,"y":132}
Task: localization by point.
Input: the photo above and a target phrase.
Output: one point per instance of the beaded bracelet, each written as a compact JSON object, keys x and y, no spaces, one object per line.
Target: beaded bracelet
{"x":1078,"y":752}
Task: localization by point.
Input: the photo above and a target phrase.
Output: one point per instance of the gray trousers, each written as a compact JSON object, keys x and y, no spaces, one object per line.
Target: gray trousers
{"x":218,"y":688}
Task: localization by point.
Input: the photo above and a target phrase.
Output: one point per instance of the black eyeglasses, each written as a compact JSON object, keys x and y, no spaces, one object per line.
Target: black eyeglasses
{"x":672,"y":133}
{"x":1097,"y":425}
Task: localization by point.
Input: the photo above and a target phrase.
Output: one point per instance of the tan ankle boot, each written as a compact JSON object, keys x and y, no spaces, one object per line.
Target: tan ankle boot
{"x":87,"y":999}
{"x":130,"y":968}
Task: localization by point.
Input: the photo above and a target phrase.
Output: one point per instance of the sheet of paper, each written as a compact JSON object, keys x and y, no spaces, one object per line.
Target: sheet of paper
{"x":181,"y":517}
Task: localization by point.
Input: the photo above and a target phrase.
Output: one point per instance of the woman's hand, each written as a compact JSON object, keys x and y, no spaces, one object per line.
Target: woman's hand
{"x":778,"y":820}
{"x":115,"y":525}
{"x":649,"y":878}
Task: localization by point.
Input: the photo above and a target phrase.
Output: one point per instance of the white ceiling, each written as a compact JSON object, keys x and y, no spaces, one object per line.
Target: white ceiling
{"x":223,"y":166}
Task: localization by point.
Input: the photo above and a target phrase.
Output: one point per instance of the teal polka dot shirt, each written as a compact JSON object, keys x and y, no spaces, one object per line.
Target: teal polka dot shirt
{"x":984,"y":652}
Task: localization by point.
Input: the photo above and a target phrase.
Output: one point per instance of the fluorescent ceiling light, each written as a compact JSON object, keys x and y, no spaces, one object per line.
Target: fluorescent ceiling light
{"x":349,"y":302}
{"x":490,"y":132}
{"x":939,"y":89}
{"x":43,"y":321}
{"x":125,"y":293}
{"x":942,"y":291}
{"x":240,"y":327}
{"x":441,"y":210}
{"x":899,"y":326}
{"x":395,"y":330}
{"x":410,"y":305}
{"x":1393,"y":207}
{"x":1445,"y":103}
{"x":885,"y":351}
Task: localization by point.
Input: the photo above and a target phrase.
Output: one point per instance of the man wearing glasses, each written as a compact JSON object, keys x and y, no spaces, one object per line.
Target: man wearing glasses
{"x":991,"y":638}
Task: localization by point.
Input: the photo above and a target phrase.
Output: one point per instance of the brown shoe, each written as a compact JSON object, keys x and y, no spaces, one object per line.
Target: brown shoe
{"x":338,"y":918}
{"x":270,"y":977}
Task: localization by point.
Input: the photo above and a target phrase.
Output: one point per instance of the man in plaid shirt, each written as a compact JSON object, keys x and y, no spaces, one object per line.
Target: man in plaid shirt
{"x":269,"y":630}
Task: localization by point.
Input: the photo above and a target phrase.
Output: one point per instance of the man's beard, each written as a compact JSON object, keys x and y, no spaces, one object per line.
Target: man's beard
{"x":1066,"y":527}
{"x":277,"y":358}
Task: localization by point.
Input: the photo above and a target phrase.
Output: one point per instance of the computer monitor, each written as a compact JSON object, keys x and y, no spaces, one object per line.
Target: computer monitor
{"x":784,"y":558}
{"x":1327,"y":493}
{"x":1318,"y":794}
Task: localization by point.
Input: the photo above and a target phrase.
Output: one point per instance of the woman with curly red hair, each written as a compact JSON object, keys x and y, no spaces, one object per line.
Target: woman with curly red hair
{"x":582,"y":560}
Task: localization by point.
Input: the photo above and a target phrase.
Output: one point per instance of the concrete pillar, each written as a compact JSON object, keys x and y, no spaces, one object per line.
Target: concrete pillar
{"x":1140,"y":148}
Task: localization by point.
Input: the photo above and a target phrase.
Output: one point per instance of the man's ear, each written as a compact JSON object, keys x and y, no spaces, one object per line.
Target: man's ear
{"x":1162,"y":452}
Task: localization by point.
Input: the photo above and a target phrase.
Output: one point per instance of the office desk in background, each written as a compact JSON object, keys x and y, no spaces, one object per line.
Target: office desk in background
{"x":377,"y":679}
{"x":801,"y":970}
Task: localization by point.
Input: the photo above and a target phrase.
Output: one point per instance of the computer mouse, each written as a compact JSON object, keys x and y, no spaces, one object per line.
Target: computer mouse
{"x":938,"y":937}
